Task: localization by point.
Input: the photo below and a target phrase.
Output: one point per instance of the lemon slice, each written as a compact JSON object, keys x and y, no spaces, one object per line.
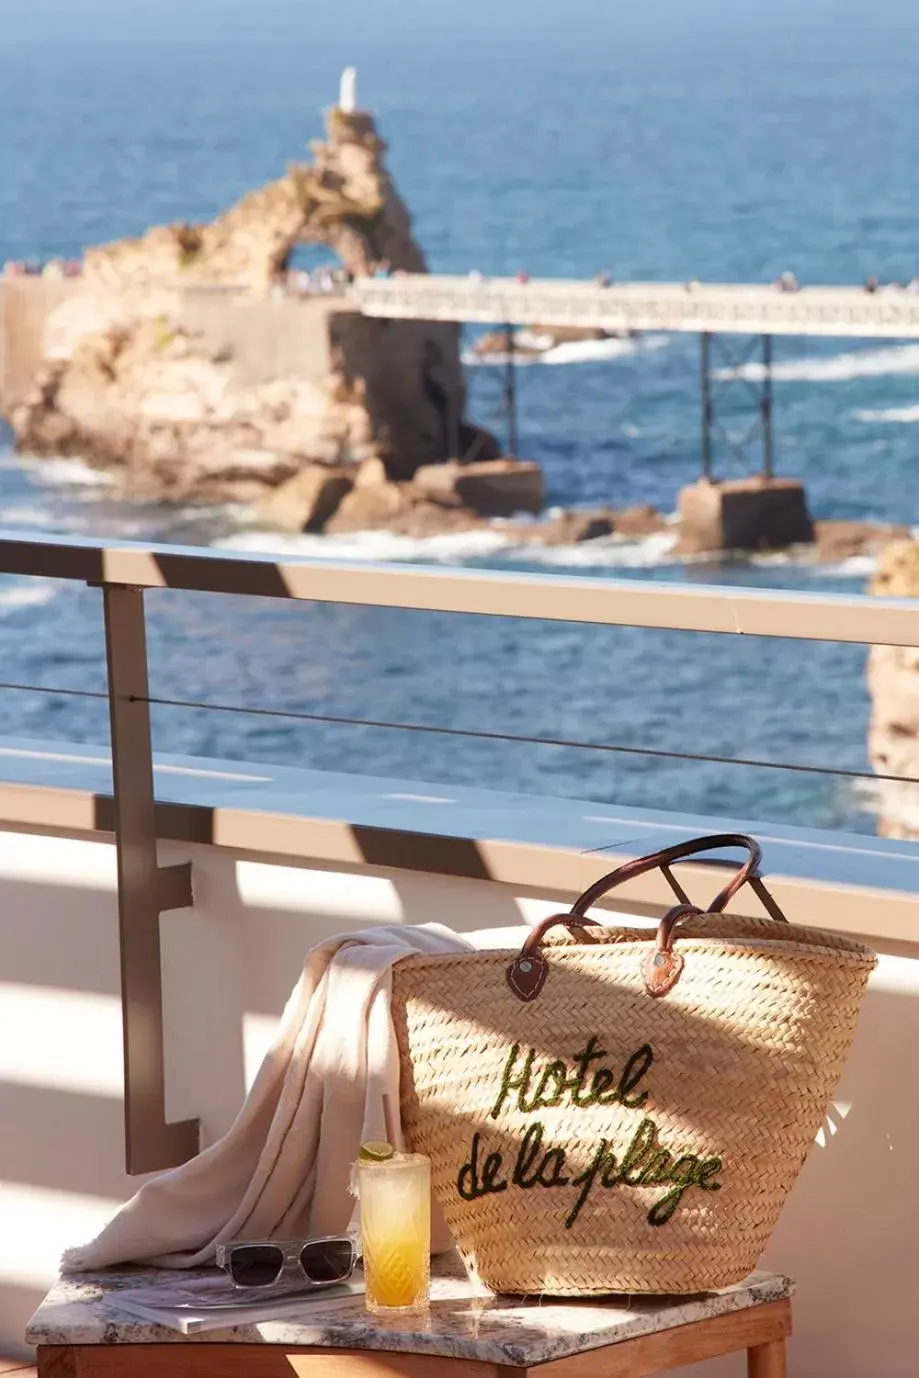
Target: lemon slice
{"x":376,"y":1151}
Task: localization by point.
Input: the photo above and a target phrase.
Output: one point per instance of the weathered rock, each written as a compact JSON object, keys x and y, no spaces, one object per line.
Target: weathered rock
{"x":369,"y":508}
{"x":743,"y":514}
{"x":525,"y":343}
{"x":492,"y":488}
{"x":640,"y":520}
{"x":569,"y":528}
{"x":421,"y":520}
{"x":147,"y":374}
{"x":893,"y":686}
{"x":576,"y":527}
{"x":537,"y":339}
{"x":841,"y":540}
{"x":307,"y":501}
{"x":345,"y":199}
{"x":371,"y":473}
{"x":897,"y":573}
{"x":573,"y":334}
{"x":149,"y":403}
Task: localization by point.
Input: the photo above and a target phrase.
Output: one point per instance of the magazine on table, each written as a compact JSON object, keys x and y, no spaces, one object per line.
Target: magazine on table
{"x":212,"y":1303}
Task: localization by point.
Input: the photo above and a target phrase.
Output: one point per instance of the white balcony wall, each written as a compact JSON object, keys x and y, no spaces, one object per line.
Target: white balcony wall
{"x":848,"y":1233}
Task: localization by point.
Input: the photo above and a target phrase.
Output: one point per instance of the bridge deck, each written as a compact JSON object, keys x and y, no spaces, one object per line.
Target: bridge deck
{"x":664,"y":306}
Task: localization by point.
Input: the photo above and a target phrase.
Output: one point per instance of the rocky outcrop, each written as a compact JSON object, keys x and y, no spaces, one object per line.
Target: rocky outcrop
{"x":535,"y":340}
{"x":345,"y":198}
{"x":172,"y":417}
{"x":340,"y":501}
{"x":837,"y":540}
{"x":445,"y":497}
{"x":893,"y":685}
{"x":493,"y":488}
{"x":307,"y":501}
{"x":184,"y":392}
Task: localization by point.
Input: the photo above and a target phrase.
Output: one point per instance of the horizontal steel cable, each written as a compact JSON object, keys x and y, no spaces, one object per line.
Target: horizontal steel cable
{"x":475,"y":734}
{"x":44,"y":689}
{"x":480,"y":735}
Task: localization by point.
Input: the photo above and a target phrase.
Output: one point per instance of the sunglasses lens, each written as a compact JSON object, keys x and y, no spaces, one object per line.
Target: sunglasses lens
{"x":327,"y":1260}
{"x":256,"y":1265}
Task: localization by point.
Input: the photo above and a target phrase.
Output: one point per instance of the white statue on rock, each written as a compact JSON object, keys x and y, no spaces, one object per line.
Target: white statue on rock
{"x":347,"y":90}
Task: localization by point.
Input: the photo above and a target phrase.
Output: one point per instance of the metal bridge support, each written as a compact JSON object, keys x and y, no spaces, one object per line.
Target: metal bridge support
{"x":765,"y":407}
{"x":758,"y":434}
{"x":708,"y":414}
{"x":510,"y":390}
{"x":755,"y":511}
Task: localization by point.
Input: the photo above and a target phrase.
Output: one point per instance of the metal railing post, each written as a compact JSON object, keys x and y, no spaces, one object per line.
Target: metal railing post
{"x":145,"y":890}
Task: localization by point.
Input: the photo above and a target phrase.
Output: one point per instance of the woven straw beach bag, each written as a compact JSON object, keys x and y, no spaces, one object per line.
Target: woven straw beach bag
{"x":611,"y":1110}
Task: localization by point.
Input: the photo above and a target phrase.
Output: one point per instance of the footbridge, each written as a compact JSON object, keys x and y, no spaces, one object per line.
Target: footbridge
{"x":700,"y":308}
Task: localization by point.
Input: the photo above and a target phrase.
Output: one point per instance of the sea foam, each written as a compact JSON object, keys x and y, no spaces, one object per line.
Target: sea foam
{"x":902,"y":415}
{"x":574,"y":352}
{"x":889,"y":361}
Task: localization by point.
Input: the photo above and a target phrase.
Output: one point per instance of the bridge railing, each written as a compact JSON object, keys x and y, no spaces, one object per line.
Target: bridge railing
{"x":124,"y":572}
{"x":660,"y":306}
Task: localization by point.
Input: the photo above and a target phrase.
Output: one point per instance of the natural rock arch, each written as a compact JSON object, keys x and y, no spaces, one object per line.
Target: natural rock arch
{"x":143,"y":389}
{"x":345,"y":198}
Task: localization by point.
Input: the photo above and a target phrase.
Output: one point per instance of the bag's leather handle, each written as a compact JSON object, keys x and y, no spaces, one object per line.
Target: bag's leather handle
{"x":527,"y":973}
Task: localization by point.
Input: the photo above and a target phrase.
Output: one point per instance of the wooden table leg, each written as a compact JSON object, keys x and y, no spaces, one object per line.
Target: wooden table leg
{"x":767,"y":1361}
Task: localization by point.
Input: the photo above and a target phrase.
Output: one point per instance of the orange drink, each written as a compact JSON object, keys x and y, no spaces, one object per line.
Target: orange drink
{"x":395,"y":1196}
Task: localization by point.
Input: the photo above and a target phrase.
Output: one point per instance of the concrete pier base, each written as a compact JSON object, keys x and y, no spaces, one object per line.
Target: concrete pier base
{"x":743,"y":514}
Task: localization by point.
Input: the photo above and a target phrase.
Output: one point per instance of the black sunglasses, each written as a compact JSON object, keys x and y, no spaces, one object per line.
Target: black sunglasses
{"x":262,"y":1262}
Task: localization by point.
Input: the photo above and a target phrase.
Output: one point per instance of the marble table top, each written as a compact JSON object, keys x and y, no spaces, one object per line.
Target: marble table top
{"x":464,"y":1321}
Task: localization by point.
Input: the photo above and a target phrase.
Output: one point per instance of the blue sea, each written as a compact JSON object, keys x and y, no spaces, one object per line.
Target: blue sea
{"x":673,"y":143}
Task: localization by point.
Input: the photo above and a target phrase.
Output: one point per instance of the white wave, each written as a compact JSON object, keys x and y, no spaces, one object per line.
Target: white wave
{"x":610,"y":552}
{"x":852,"y":567}
{"x":33,"y":594}
{"x":574,"y":352}
{"x":371,"y":545}
{"x":838,"y":368}
{"x":27,"y":516}
{"x":75,"y":473}
{"x":901,"y":414}
{"x":806,"y":559}
{"x":766,"y":559}
{"x":588,"y":351}
{"x":607,"y":552}
{"x":71,"y":472}
{"x":74,"y":522}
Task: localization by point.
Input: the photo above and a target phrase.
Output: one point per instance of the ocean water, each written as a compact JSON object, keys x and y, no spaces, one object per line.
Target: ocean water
{"x":728,"y":154}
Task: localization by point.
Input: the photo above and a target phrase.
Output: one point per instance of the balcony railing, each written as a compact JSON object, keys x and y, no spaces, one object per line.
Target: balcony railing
{"x":124,"y":571}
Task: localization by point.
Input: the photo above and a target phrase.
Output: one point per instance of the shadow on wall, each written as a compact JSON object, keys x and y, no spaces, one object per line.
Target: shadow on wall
{"x":229,"y":966}
{"x":849,"y":1230}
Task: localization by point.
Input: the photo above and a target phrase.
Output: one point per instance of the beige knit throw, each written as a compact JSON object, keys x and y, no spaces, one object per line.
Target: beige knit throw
{"x":283,"y":1167}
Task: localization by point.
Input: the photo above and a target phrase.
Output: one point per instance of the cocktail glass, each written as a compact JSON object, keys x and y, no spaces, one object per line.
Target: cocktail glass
{"x":395,"y":1198}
